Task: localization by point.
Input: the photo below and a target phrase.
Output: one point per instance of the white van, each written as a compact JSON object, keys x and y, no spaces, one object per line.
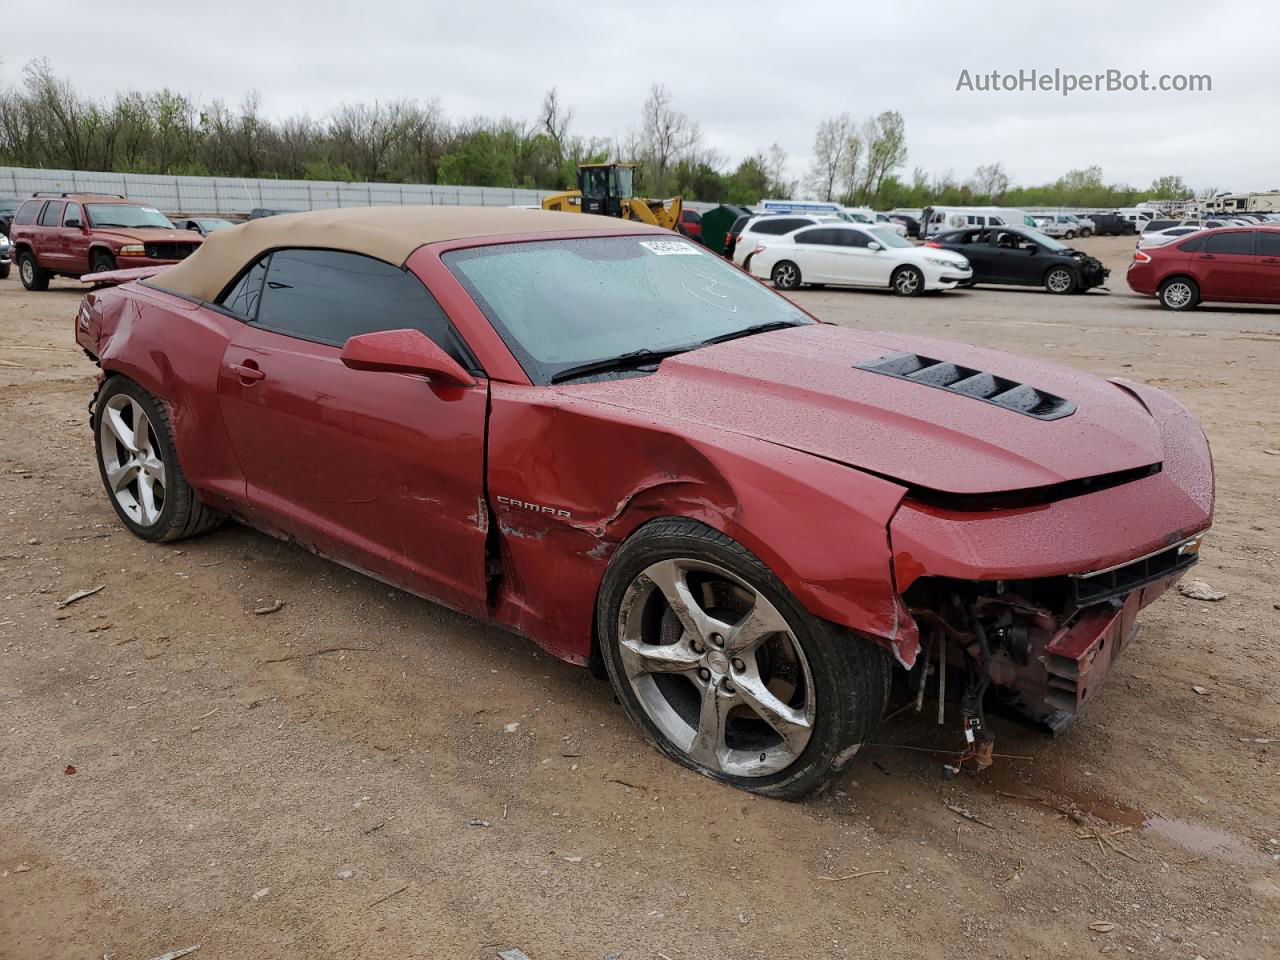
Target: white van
{"x":1138,"y":216}
{"x":942,"y":219}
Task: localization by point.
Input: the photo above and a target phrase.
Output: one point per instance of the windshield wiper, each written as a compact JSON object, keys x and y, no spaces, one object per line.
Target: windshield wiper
{"x":624,"y":361}
{"x":748,"y":331}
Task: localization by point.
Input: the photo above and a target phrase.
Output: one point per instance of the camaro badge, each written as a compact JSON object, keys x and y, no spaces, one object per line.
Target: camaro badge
{"x":535,"y":507}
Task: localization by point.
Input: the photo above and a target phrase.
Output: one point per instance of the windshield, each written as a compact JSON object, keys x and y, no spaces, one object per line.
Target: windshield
{"x":889,"y":237}
{"x":125,"y":215}
{"x":212,"y":225}
{"x":1047,"y":242}
{"x":623,"y":178}
{"x":8,"y":205}
{"x":563,"y":303}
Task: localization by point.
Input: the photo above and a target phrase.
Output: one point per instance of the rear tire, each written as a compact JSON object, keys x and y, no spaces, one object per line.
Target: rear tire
{"x":907,"y":282}
{"x":1179,"y":293}
{"x":101,"y":262}
{"x":702,"y":683}
{"x":34,"y":276}
{"x":1061,"y":280}
{"x":785,"y":275}
{"x":138,"y":463}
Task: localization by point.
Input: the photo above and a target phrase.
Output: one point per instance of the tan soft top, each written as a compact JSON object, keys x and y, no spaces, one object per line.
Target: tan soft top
{"x":387,"y":233}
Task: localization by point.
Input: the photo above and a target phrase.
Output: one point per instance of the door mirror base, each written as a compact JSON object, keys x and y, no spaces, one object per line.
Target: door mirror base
{"x":404,"y":351}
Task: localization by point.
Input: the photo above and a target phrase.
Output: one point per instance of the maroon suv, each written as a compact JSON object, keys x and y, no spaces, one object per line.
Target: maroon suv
{"x":1231,"y":264}
{"x":68,"y":234}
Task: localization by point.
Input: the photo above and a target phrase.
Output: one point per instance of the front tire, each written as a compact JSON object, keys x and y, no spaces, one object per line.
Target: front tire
{"x":34,"y":277}
{"x":138,"y":463}
{"x":725,"y":672}
{"x":102,"y":262}
{"x":785,"y":275}
{"x":907,"y":282}
{"x":1179,"y":293}
{"x":1061,"y":280}
{"x":1069,"y":235}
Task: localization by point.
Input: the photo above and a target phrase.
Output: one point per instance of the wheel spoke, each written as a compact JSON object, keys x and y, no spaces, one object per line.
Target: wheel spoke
{"x":788,"y":722}
{"x":708,"y":740}
{"x":114,"y":421}
{"x":154,"y":467}
{"x":641,"y":658}
{"x":669,"y":577}
{"x":120,"y":475}
{"x":748,"y":633}
{"x":147,"y":499}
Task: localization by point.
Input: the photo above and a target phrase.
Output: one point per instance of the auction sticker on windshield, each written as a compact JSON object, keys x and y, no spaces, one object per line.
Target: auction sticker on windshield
{"x":666,"y":248}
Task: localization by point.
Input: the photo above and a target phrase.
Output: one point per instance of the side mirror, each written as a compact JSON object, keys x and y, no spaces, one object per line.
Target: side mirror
{"x":72,"y":223}
{"x":873,"y":245}
{"x":404,"y":351}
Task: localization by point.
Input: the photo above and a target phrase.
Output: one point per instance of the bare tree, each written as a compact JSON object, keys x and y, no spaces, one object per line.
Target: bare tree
{"x":830,"y":152}
{"x":991,"y":181}
{"x":886,"y":145}
{"x":554,"y":119}
{"x":666,"y":135}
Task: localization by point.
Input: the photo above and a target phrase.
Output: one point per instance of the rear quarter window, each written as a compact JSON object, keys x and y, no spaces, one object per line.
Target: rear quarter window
{"x":1194,"y":245}
{"x":27,"y":212}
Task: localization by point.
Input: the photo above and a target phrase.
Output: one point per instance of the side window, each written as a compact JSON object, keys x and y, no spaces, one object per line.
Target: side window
{"x":854,"y":238}
{"x":51,"y":216}
{"x":327,"y":296}
{"x":1235,"y":242}
{"x":1268,"y":243}
{"x":242,"y":298}
{"x":73,"y":217}
{"x":26,"y":214}
{"x":821,"y":236}
{"x":995,"y":222}
{"x":1194,"y":245}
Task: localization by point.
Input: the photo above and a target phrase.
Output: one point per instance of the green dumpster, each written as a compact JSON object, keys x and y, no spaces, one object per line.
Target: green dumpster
{"x":716,"y":224}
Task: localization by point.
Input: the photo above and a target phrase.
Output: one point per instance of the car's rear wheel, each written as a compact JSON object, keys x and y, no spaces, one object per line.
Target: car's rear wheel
{"x":34,"y":276}
{"x":1179,"y":293}
{"x":785,"y":275}
{"x":1086,"y":232}
{"x":907,"y":282}
{"x":102,"y":261}
{"x":724,"y":670}
{"x":1060,"y":280}
{"x":139,"y":466}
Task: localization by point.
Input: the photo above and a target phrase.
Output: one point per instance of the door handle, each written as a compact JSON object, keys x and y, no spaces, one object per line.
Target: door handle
{"x":1207,"y":256}
{"x":248,"y":372}
{"x":1270,"y":260}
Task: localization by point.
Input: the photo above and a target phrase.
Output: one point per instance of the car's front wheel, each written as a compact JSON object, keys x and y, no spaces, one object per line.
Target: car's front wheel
{"x":102,"y":261}
{"x":907,"y":282}
{"x":139,"y":466}
{"x":1060,"y":280}
{"x":724,"y":670}
{"x":785,"y":275}
{"x":1179,"y":293}
{"x":1069,"y":235}
{"x":34,"y":276}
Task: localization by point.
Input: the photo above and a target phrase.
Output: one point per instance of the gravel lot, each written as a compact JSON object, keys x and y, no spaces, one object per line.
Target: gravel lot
{"x":175,"y":770}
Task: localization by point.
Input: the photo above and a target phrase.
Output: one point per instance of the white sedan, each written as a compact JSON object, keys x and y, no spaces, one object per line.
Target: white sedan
{"x":856,"y":256}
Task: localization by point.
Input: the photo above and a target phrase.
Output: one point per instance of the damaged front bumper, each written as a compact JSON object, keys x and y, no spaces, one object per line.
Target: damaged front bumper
{"x":1034,"y":600}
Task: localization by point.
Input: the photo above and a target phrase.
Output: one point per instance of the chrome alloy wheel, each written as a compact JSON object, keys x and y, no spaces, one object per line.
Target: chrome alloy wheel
{"x":1059,"y":281}
{"x":131,"y":458}
{"x":785,"y":276}
{"x":1177,"y":294}
{"x":27,"y":268}
{"x":716,"y":668}
{"x":907,"y":282}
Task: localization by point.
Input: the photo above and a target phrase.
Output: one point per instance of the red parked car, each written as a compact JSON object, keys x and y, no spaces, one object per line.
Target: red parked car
{"x":690,"y":224}
{"x":1229,"y":264}
{"x":603,"y":437}
{"x":68,"y":234}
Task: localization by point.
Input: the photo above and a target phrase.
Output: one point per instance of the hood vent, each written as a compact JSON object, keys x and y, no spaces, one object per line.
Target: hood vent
{"x":987,"y":387}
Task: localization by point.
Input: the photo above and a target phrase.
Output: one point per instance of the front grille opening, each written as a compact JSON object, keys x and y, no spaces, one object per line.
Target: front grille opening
{"x":968,"y":382}
{"x":1096,"y":587}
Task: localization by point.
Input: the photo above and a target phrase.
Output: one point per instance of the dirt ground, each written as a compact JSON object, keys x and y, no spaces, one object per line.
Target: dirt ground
{"x":175,"y":770}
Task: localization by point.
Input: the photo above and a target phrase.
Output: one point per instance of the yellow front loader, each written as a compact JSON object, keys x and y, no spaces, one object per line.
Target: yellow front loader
{"x":606,"y":189}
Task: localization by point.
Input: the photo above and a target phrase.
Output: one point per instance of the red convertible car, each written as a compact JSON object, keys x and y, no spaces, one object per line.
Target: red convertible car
{"x":603,"y":437}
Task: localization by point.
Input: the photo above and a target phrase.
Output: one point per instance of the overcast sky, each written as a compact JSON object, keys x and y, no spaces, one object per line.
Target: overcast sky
{"x":750,"y":73}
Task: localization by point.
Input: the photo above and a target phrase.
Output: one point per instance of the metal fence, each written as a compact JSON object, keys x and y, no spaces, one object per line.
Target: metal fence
{"x":233,"y":195}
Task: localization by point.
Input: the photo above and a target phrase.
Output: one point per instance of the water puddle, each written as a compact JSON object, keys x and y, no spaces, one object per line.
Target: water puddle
{"x":1209,"y":842}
